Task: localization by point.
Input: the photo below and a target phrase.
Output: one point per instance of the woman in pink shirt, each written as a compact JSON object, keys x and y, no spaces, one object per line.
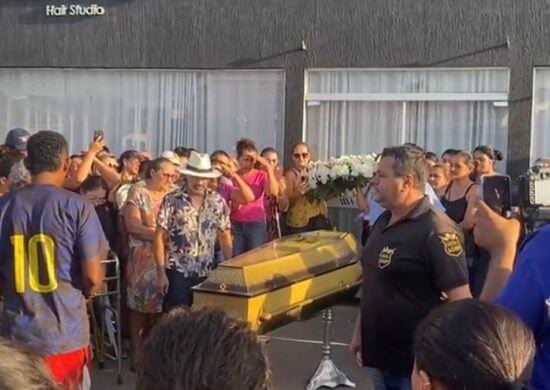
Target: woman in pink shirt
{"x":248,"y":220}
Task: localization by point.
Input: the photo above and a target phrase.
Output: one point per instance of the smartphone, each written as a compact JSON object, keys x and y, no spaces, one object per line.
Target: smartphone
{"x":497,"y":194}
{"x":98,"y":134}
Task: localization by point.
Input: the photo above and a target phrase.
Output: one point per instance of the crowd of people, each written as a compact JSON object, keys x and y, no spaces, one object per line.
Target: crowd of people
{"x":428,"y":239}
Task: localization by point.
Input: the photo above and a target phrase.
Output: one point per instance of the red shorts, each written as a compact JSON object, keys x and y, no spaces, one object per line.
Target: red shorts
{"x":71,"y":370}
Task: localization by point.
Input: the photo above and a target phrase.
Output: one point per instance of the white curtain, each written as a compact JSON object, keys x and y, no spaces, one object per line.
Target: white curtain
{"x":341,"y":127}
{"x":151,"y":110}
{"x":540,"y":133}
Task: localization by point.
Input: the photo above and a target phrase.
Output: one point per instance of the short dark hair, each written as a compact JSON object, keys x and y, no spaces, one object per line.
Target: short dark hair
{"x":489,"y":151}
{"x":449,"y":151}
{"x":431,"y":156}
{"x":44,"y":151}
{"x":127,"y":155}
{"x":154,"y":165}
{"x":182,"y":152}
{"x":471,"y":344}
{"x":7,"y":162}
{"x":204,"y":349}
{"x":244,"y":145}
{"x":92,"y":183}
{"x":409,"y":161}
{"x":22,"y":368}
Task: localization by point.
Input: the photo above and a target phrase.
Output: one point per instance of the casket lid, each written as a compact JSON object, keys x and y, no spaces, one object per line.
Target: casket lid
{"x":282,"y":262}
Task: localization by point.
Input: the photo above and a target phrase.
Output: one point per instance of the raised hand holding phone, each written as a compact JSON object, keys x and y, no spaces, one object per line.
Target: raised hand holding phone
{"x":99,"y":135}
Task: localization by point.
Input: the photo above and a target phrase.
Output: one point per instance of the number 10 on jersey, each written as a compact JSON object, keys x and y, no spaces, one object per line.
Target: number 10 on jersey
{"x":32,"y":263}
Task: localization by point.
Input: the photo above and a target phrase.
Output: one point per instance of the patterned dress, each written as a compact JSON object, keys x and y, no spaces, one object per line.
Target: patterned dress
{"x":141,"y":271}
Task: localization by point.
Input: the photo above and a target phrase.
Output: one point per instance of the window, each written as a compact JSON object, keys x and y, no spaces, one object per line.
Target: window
{"x":540,"y":120}
{"x":362,"y":111}
{"x":356,"y":111}
{"x":151,"y":110}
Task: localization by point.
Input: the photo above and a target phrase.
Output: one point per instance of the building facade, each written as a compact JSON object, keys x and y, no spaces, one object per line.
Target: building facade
{"x":348,"y":76}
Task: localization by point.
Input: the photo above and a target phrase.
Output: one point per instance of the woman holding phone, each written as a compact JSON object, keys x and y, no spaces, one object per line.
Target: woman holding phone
{"x":302,"y":215}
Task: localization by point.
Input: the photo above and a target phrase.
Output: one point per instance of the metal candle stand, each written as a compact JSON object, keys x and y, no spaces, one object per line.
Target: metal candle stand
{"x":327,"y":374}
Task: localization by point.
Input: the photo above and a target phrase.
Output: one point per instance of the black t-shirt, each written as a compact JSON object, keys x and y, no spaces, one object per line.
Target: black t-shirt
{"x":406,"y":267}
{"x":107,"y":217}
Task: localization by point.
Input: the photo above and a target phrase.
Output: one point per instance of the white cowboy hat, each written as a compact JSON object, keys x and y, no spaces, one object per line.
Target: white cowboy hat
{"x":199,"y":166}
{"x":172,"y":157}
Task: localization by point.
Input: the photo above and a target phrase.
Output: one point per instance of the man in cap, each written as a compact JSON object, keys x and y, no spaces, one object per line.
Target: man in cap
{"x":16,"y":140}
{"x":189,"y":222}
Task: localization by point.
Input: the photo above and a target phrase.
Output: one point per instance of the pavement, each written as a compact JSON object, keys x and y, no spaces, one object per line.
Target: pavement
{"x":294,"y":352}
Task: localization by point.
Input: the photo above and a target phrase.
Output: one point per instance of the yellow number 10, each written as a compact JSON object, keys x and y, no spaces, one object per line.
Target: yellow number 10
{"x":48,"y":245}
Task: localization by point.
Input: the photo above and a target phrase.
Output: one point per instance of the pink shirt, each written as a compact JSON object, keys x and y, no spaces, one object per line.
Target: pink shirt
{"x":254,"y":211}
{"x":225,"y":188}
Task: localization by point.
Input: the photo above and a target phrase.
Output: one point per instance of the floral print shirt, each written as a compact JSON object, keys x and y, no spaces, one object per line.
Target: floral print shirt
{"x":192,"y":233}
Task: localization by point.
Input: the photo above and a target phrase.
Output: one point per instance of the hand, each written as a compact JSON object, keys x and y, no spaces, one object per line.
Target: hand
{"x":493,"y":232}
{"x":146,"y":155}
{"x":162,"y":282}
{"x":304,"y":187}
{"x":234,"y":163}
{"x":282,"y":186}
{"x":96,"y":146}
{"x":229,"y":170}
{"x":263,"y":162}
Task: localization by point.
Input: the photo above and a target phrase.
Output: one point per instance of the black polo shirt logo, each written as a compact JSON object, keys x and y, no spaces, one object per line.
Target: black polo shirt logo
{"x":385,"y":257}
{"x":451,"y":244}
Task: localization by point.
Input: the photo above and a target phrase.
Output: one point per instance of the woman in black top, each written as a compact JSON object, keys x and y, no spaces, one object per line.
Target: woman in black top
{"x":459,"y":201}
{"x":459,"y":196}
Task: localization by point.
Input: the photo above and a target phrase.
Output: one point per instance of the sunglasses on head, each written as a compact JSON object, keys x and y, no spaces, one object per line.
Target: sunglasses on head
{"x":303,"y":155}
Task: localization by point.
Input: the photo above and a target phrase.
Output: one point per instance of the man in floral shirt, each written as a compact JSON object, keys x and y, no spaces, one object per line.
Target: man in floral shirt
{"x":189,"y":222}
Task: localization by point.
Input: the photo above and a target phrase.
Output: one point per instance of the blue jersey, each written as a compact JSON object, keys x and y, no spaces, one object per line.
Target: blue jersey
{"x":46,"y":234}
{"x":525,"y":294}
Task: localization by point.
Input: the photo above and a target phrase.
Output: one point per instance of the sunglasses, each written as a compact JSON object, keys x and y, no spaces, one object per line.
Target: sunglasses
{"x":303,"y":155}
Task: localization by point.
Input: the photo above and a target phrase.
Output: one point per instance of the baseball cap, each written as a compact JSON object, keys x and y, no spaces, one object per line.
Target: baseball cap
{"x":172,"y":157}
{"x":17,"y":138}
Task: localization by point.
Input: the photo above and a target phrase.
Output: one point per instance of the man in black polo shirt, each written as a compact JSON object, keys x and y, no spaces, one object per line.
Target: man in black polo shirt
{"x":414,"y":254}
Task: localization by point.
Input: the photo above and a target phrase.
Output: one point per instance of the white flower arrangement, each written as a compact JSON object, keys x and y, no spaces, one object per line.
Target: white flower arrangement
{"x":340,"y":176}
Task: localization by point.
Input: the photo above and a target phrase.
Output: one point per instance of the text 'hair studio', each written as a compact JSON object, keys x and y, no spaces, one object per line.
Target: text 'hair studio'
{"x":74,"y":10}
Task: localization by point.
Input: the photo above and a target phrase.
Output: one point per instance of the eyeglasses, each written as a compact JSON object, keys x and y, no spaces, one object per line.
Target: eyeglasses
{"x":168,"y":176}
{"x":302,"y":155}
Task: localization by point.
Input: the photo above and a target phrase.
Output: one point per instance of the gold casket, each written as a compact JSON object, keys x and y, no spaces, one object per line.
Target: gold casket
{"x":284,"y":279}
